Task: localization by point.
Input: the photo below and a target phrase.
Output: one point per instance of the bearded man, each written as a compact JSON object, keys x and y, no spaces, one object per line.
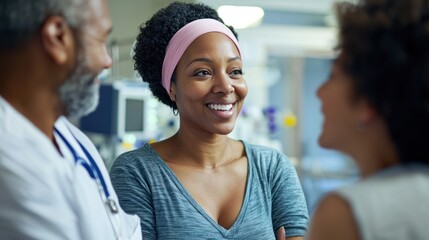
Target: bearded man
{"x":53,"y":182}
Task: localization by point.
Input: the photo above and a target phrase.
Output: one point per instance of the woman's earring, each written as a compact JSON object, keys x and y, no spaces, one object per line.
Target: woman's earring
{"x":175,"y":111}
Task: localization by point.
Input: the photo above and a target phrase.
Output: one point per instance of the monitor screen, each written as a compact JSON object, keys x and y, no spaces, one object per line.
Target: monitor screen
{"x":134,"y":118}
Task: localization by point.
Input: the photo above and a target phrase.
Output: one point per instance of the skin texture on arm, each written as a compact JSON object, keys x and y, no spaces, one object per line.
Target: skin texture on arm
{"x":333,"y":220}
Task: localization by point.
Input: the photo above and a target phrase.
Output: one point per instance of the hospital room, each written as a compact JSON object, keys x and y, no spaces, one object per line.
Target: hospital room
{"x":214,"y":119}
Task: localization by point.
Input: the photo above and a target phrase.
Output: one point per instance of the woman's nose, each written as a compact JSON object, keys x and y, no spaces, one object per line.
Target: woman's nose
{"x":223,"y":84}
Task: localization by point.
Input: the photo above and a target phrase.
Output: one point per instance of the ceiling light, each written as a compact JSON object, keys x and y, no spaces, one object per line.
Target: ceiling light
{"x":241,"y":16}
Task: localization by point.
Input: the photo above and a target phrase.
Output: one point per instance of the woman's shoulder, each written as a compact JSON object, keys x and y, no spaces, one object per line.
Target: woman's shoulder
{"x":264,"y":154}
{"x":256,"y":149}
{"x":143,"y":157}
{"x":268,"y":160}
{"x":333,"y":219}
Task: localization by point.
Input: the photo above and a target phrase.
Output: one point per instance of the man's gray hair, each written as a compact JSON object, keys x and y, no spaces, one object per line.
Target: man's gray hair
{"x":21,"y":19}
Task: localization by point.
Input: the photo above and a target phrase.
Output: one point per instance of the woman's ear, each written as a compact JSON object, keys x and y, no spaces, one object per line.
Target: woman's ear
{"x":173,"y":92}
{"x":367,"y":113}
{"x":57,"y":38}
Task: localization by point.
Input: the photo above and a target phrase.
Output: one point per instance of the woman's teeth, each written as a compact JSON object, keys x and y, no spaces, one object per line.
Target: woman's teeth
{"x":221,"y":107}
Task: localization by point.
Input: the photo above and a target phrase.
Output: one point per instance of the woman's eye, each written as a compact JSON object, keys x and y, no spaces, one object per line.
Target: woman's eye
{"x":236,"y":72}
{"x":202,"y":73}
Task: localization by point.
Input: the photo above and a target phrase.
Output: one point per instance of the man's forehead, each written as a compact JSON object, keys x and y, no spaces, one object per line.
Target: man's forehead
{"x":97,"y":5}
{"x":97,"y":8}
{"x":99,"y":15}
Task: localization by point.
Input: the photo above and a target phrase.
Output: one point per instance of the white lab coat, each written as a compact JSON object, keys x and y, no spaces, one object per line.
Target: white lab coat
{"x":44,"y":195}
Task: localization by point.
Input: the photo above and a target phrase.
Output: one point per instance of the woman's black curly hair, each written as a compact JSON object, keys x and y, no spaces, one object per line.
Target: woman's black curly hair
{"x":385,"y":44}
{"x":154,"y":36}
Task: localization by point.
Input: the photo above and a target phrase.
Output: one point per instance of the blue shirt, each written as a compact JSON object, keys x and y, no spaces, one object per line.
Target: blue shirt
{"x":146,"y":186}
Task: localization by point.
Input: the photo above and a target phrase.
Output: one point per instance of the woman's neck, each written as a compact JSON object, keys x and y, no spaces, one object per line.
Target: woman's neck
{"x":376,"y":157}
{"x":208,"y":151}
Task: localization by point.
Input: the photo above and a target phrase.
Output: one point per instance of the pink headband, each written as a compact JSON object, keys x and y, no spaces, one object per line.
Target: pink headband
{"x":183,"y":38}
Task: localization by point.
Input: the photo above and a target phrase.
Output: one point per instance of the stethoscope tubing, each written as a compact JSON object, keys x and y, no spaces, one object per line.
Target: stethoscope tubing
{"x":91,"y":167}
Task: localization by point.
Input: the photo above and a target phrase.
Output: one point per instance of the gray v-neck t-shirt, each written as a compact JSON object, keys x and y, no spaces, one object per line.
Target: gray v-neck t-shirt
{"x":146,"y":186}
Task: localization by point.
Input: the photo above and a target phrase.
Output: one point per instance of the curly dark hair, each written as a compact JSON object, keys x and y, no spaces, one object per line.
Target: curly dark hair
{"x":385,"y":44}
{"x":154,"y":36}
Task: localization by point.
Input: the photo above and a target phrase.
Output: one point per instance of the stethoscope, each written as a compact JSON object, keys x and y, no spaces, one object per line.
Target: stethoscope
{"x":92,"y":169}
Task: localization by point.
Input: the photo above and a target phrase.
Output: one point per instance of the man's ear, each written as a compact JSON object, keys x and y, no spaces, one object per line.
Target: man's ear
{"x":58,"y":39}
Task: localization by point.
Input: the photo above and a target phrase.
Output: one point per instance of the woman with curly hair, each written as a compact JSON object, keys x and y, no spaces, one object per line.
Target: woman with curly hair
{"x":376,"y":109}
{"x":199,"y":183}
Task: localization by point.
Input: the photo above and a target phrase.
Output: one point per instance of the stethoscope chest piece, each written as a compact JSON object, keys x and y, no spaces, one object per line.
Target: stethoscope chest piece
{"x":112,"y":206}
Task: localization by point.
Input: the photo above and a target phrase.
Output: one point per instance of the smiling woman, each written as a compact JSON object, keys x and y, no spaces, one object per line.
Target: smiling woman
{"x":199,"y":183}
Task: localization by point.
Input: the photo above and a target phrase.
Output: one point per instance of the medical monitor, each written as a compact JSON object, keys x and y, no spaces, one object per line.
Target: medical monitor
{"x":123,"y":109}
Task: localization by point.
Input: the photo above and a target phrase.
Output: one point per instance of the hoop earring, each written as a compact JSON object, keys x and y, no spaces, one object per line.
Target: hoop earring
{"x":175,"y":111}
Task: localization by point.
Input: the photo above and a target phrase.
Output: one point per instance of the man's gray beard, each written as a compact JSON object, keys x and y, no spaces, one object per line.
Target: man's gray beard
{"x":80,"y":92}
